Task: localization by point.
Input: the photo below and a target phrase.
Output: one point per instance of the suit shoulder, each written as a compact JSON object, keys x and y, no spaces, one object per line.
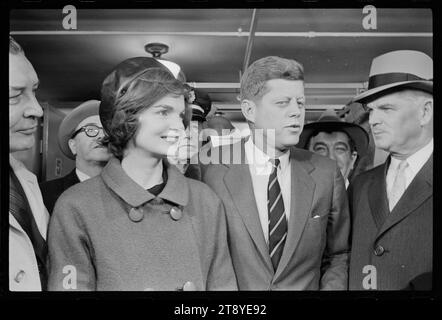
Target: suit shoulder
{"x":51,"y":184}
{"x":80,"y":192}
{"x":202,"y":190}
{"x":367,"y":175}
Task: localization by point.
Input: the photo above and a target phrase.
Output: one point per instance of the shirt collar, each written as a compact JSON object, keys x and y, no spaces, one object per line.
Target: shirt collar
{"x":81,"y":175}
{"x":257,"y":158}
{"x":176,"y":189}
{"x":417,"y":160}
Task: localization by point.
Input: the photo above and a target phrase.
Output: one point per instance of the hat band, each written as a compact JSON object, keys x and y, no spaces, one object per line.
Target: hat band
{"x":389,"y":78}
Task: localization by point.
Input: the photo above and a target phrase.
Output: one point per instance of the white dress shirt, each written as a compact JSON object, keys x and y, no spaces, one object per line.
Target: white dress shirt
{"x":415,"y":162}
{"x":81,"y":175}
{"x":260,"y":169}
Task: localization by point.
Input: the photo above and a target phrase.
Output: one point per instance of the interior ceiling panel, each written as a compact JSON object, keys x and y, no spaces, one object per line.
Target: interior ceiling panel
{"x":72,"y":66}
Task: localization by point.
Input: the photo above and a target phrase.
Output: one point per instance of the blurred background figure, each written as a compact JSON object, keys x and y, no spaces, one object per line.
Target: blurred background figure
{"x":28,"y":217}
{"x":339,"y":140}
{"x":198,"y":106}
{"x":79,"y":138}
{"x":226,"y":133}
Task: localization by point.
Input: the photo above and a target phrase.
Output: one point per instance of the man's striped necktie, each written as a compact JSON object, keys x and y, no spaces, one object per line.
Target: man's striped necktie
{"x":277,"y":217}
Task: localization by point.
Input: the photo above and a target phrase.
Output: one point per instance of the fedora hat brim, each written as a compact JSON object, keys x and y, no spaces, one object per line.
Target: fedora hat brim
{"x":354,"y":131}
{"x":424,"y":85}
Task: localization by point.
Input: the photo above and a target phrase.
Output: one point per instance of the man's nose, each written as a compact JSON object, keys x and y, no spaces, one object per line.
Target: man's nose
{"x":295,"y":110}
{"x":373,"y":118}
{"x":33,"y":108}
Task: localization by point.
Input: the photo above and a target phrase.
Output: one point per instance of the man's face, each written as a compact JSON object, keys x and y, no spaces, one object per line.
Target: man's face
{"x":336,"y":146}
{"x":88,"y":148}
{"x":395,"y":122}
{"x":24,"y":109}
{"x":281,"y":111}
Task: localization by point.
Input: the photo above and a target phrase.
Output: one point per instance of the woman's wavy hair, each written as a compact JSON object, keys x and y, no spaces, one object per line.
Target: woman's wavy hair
{"x":133,"y":97}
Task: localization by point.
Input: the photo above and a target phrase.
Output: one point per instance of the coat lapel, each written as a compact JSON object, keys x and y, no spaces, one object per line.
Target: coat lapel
{"x":420,"y":189}
{"x":377,"y":196}
{"x":302,"y":190}
{"x":239,"y":184}
{"x":70,"y":180}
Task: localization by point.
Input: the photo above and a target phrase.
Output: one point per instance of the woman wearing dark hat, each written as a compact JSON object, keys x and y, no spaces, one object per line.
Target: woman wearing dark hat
{"x":140,"y":224}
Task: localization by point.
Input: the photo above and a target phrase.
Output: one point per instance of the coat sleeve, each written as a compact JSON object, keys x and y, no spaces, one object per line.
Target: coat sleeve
{"x":70,"y":253}
{"x":334,"y":268}
{"x":221,"y":275}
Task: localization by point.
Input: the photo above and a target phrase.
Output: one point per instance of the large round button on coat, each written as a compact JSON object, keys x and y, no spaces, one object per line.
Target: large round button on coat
{"x":19,"y":276}
{"x":189,"y":286}
{"x":176,"y":213}
{"x":379,"y":250}
{"x":136,"y":215}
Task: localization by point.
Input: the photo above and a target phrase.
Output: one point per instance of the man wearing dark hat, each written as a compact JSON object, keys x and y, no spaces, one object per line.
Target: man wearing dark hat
{"x":28,"y":217}
{"x":199,"y":105}
{"x":340,"y":141}
{"x":392,"y":204}
{"x":79,"y":137}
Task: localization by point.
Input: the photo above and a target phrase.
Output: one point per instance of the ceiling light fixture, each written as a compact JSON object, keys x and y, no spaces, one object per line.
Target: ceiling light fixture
{"x":157,"y":49}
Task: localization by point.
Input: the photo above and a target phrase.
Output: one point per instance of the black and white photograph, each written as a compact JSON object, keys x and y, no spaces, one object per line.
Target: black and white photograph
{"x":225,"y":149}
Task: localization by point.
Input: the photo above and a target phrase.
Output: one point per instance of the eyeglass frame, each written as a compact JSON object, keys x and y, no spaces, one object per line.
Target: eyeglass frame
{"x":83,"y":128}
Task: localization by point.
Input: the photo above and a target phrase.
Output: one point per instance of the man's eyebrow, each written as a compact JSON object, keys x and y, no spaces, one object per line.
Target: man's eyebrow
{"x":320,"y":143}
{"x":382,"y":105}
{"x":342,"y":143}
{"x":18,"y":88}
{"x":37,"y":84}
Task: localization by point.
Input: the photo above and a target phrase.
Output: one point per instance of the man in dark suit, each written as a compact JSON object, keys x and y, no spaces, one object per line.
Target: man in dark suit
{"x":78,"y":138}
{"x":287,"y":210}
{"x":392,"y":204}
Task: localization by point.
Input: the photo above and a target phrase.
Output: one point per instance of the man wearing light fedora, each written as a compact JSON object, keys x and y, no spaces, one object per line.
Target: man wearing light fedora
{"x":392,"y":204}
{"x":79,"y":137}
{"x":339,"y":140}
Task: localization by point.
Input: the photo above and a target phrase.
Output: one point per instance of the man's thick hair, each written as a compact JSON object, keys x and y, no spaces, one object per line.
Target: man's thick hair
{"x":259,"y":72}
{"x":14,"y":47}
{"x":151,"y":86}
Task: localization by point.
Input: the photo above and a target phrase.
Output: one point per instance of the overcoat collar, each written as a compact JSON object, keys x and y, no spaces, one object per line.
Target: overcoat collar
{"x":176,"y":189}
{"x":417,"y":192}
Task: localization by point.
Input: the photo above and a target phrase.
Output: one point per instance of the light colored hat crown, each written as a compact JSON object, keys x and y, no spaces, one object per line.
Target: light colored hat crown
{"x":401,"y":69}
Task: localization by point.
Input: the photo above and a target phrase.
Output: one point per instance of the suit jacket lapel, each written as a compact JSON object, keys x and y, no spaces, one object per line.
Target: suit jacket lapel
{"x":417,"y":192}
{"x":239,"y":184}
{"x":377,"y":196}
{"x":70,"y":180}
{"x":302,"y":190}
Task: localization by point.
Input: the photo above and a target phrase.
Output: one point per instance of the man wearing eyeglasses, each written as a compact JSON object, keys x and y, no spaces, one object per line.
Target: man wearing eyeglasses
{"x":79,"y":138}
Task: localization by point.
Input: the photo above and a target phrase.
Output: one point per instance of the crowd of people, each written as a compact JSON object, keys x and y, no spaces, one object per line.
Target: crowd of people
{"x":154,"y":204}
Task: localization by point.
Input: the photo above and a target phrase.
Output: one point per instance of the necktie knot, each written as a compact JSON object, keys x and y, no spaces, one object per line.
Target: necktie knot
{"x":275,"y":162}
{"x":399,"y":184}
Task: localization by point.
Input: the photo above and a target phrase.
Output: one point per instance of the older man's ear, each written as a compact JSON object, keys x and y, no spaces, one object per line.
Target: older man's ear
{"x":73,"y":146}
{"x":427,"y":112}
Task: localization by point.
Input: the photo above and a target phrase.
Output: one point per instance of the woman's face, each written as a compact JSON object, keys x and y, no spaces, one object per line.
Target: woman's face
{"x":161,"y":126}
